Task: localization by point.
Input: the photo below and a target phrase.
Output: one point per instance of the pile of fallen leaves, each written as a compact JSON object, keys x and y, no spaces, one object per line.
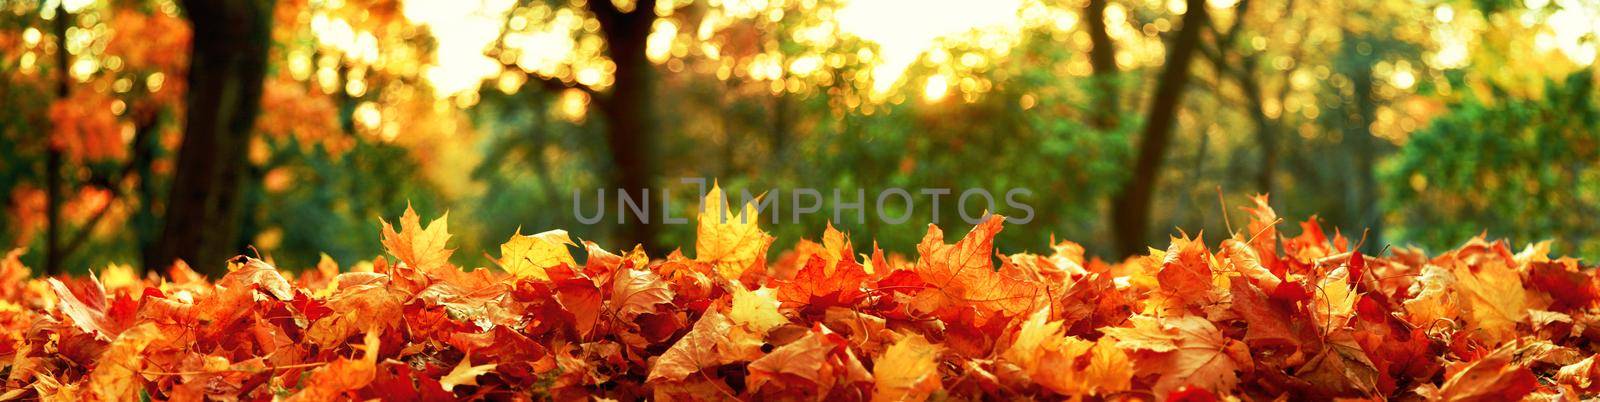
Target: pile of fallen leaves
{"x":1263,"y":316}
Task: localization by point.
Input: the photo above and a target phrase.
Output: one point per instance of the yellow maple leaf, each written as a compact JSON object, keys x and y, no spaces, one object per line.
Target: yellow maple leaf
{"x":1109,"y":370}
{"x":1050,"y":357}
{"x":1434,"y":300}
{"x":835,"y":247}
{"x":1534,"y":252}
{"x":731,"y":241}
{"x":1496,"y":299}
{"x":1147,"y":333}
{"x":1036,"y":335}
{"x":116,"y":377}
{"x":1189,"y":350}
{"x":757,"y":309}
{"x":421,"y":248}
{"x":1334,"y":301}
{"x":908,"y":371}
{"x":528,"y":256}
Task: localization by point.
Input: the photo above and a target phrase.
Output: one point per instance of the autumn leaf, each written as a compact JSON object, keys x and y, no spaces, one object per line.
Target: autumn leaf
{"x":1146,"y":333}
{"x":328,"y":382}
{"x":817,"y":288}
{"x":1566,"y":283}
{"x":756,"y":309}
{"x":1068,"y":365}
{"x":528,"y":256}
{"x":602,"y":263}
{"x":1189,"y":351}
{"x":715,"y":340}
{"x":464,"y":374}
{"x":357,"y":306}
{"x":815,"y":364}
{"x":87,"y":312}
{"x":117,"y":377}
{"x":1204,"y":358}
{"x":1243,"y":259}
{"x":580,"y":297}
{"x":1110,"y":370}
{"x":730,"y":240}
{"x":1185,"y":272}
{"x":1342,"y":369}
{"x":636,"y":291}
{"x":834,"y":249}
{"x":421,"y":248}
{"x":963,"y":274}
{"x":1491,"y":378}
{"x":908,"y":371}
{"x":1334,"y":301}
{"x":1496,"y":298}
{"x":1246,"y":321}
{"x":1581,"y":375}
{"x":246,"y":272}
{"x":1434,"y":298}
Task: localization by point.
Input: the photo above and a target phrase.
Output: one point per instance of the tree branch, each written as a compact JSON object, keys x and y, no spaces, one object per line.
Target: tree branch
{"x":141,"y":153}
{"x":1131,"y":204}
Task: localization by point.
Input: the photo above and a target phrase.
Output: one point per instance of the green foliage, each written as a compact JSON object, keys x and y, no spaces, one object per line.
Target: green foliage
{"x":1523,"y":169}
{"x":335,"y":200}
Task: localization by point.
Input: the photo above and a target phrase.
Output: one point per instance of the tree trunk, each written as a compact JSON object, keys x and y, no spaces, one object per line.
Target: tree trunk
{"x":1362,"y":189}
{"x":1266,"y":129}
{"x":52,"y":161}
{"x":630,"y":118}
{"x":227,"y":66}
{"x":1130,"y":208}
{"x":1103,"y":56}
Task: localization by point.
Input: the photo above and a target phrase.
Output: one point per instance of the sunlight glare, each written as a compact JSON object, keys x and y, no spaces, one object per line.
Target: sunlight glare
{"x":917,"y":26}
{"x":1577,"y":30}
{"x":935,"y":89}
{"x":463,"y":28}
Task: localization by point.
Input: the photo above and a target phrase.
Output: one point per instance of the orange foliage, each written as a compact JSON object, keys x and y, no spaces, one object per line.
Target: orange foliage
{"x":288,"y":109}
{"x":1315,"y":321}
{"x":85,"y":128}
{"x":154,"y":41}
{"x":28,"y":203}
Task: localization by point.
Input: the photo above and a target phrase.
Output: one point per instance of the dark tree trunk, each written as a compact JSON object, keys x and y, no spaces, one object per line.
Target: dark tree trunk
{"x":1266,"y":131}
{"x":630,"y":118}
{"x":1103,"y":56}
{"x":1130,"y":208}
{"x":1266,"y":128}
{"x":227,"y":66}
{"x":1361,"y":204}
{"x":52,"y":161}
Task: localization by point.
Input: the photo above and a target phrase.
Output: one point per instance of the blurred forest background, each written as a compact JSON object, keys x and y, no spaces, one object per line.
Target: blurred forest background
{"x":140,"y":131}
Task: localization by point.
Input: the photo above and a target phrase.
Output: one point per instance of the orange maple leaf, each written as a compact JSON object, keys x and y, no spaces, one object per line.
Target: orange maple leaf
{"x":963,"y":274}
{"x":421,"y":248}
